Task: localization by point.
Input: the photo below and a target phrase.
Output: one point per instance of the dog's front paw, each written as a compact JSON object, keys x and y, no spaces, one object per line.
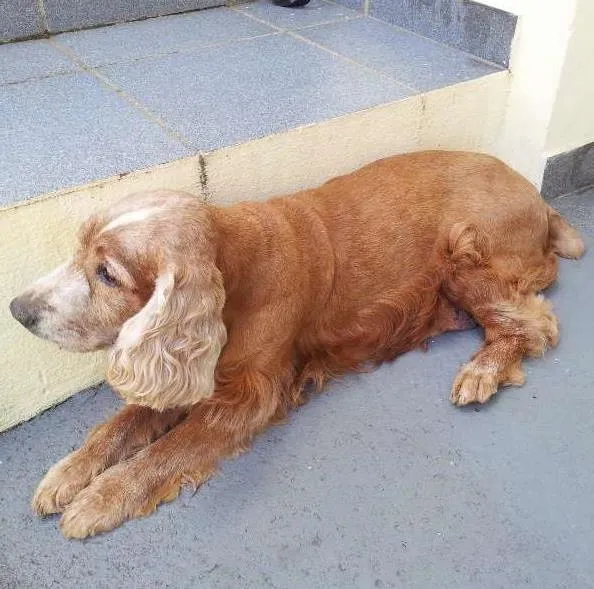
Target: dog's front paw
{"x":123,"y":492}
{"x":93,"y":511}
{"x":61,"y":484}
{"x":475,"y":383}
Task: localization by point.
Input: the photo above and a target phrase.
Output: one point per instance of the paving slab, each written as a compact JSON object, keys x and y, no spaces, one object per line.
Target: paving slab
{"x":411,"y":59}
{"x":219,"y":96}
{"x":28,"y":60}
{"x":18,"y":19}
{"x":314,"y":13}
{"x":68,"y":130}
{"x":65,"y":15}
{"x":131,"y":41}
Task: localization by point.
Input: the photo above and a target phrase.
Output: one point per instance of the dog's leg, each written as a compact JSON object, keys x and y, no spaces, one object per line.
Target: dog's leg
{"x":189,"y":453}
{"x":499,"y":291}
{"x":449,"y":318}
{"x":523,"y":325}
{"x":125,"y":433}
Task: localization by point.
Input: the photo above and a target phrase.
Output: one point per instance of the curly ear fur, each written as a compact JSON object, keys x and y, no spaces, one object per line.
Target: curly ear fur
{"x":165,"y":356}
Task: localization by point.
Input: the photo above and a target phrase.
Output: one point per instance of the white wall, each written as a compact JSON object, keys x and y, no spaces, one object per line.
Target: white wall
{"x":551,"y":101}
{"x":572,"y":123}
{"x":538,"y":57}
{"x":513,"y":6}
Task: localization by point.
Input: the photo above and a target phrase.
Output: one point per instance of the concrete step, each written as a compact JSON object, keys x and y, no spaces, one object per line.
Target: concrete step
{"x":228,"y":103}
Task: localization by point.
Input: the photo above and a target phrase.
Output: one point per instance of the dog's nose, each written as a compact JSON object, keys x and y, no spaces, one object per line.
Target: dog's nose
{"x":23,"y":313}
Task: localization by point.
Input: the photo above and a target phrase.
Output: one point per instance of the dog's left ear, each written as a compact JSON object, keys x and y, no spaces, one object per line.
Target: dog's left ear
{"x":165,"y":355}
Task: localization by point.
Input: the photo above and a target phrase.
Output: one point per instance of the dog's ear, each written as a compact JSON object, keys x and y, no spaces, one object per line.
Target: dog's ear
{"x":165,"y":356}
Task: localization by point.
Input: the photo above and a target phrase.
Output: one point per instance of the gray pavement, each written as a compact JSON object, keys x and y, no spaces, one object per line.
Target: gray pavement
{"x":377,"y":483}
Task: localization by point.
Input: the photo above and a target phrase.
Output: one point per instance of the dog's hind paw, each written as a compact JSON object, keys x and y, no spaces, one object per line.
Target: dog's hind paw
{"x":475,"y":383}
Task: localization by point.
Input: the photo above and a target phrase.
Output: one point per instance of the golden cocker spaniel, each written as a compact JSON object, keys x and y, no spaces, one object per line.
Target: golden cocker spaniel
{"x":219,"y":319}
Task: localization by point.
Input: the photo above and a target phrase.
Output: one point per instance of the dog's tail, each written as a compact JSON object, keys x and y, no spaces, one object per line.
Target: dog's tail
{"x":564,"y":240}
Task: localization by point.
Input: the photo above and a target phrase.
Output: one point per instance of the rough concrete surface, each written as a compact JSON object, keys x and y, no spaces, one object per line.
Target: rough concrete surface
{"x":379,"y":482}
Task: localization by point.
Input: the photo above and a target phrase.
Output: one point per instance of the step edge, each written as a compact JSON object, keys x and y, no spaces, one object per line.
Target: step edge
{"x":195,"y":157}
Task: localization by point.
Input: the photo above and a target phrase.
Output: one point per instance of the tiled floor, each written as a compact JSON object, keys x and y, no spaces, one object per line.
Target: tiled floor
{"x":68,"y":130}
{"x":86,"y":105}
{"x":378,"y":483}
{"x":475,"y":27}
{"x":405,"y":56}
{"x":161,"y":36}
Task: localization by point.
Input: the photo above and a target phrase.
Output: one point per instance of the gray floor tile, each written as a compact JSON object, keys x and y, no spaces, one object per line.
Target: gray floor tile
{"x":68,"y":130}
{"x":579,"y":207}
{"x":411,"y":59}
{"x":18,"y":19}
{"x":353,"y":4}
{"x":471,"y":26}
{"x":126,"y":42}
{"x":378,"y":483}
{"x":67,"y":15}
{"x":569,"y":171}
{"x":31,"y":59}
{"x":314,"y":13}
{"x":241,"y":91}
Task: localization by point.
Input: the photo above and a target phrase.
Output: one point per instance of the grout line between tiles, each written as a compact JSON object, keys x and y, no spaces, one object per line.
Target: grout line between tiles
{"x":184,"y":50}
{"x":133,"y":101}
{"x":337,"y":20}
{"x":380,"y":73}
{"x":354,"y":16}
{"x":341,"y":6}
{"x":244,"y":12}
{"x":37,"y":78}
{"x":42,"y":16}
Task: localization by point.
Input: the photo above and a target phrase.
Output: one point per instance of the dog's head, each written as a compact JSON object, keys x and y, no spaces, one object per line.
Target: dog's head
{"x":143,"y":283}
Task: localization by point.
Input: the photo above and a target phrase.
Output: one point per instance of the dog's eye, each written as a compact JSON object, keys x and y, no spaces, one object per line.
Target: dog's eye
{"x":105,"y":276}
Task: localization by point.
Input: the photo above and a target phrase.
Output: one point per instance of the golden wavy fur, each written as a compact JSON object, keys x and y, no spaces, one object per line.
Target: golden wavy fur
{"x":220,"y":320}
{"x":166,"y":354}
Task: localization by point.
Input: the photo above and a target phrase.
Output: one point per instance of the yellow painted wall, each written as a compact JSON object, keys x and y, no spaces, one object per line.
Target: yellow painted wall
{"x":551,"y":99}
{"x":538,"y":54}
{"x":37,"y":236}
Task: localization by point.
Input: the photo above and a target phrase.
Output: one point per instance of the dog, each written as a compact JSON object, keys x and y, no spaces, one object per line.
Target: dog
{"x":220,"y":320}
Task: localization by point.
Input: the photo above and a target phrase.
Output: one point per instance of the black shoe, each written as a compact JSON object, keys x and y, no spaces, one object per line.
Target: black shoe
{"x":291,"y":3}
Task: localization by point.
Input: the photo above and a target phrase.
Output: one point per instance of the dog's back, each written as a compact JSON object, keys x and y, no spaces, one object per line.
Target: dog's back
{"x":385,"y":251}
